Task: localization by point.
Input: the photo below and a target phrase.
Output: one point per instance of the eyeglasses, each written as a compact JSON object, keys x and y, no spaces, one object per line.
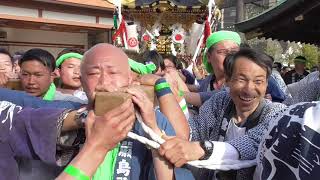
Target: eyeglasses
{"x":170,"y":67}
{"x":225,"y":52}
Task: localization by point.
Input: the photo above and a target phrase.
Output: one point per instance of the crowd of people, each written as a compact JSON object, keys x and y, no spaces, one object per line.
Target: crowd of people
{"x":247,"y":109}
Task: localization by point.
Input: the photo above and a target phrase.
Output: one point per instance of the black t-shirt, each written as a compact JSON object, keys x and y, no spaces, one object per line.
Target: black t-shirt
{"x":292,"y":76}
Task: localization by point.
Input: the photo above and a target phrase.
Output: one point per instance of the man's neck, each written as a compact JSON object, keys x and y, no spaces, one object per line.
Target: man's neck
{"x":219,"y":81}
{"x":68,"y":90}
{"x":243,"y":116}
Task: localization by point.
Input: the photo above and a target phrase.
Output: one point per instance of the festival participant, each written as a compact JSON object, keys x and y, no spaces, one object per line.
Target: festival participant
{"x":35,"y":134}
{"x":155,"y":58}
{"x":291,"y":147}
{"x":97,"y":145}
{"x":68,"y":69}
{"x":276,"y":75}
{"x":15,"y":60}
{"x":284,"y":71}
{"x":37,"y":73}
{"x":171,"y":63}
{"x":277,"y":66}
{"x":105,"y":68}
{"x":231,"y":123}
{"x":30,"y":169}
{"x":219,"y":44}
{"x":299,"y":71}
{"x":6,"y":65}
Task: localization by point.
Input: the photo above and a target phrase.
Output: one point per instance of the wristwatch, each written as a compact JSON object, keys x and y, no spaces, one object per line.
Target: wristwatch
{"x":81,"y":116}
{"x":207,"y":146}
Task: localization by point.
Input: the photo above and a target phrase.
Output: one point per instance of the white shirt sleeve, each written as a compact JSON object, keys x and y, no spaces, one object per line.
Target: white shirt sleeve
{"x":225,"y":157}
{"x":222,"y":151}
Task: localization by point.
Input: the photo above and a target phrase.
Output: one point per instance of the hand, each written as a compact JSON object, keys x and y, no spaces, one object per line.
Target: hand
{"x":148,"y":79}
{"x":179,"y":151}
{"x":174,"y":86}
{"x":105,"y":132}
{"x":183,"y":77}
{"x":134,"y":75}
{"x":176,"y":75}
{"x":141,"y":99}
{"x":3,"y":80}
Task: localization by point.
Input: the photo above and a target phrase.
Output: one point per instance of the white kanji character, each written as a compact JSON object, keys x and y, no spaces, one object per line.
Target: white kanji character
{"x":122,"y":178}
{"x":122,"y":154}
{"x":124,"y":168}
{"x":129,"y":153}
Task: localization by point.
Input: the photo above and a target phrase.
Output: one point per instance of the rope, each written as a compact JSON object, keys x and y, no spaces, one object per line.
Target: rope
{"x":156,"y":141}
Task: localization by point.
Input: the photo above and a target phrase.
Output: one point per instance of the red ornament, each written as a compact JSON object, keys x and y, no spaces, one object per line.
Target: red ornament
{"x":146,"y":37}
{"x":132,"y":42}
{"x":178,"y":37}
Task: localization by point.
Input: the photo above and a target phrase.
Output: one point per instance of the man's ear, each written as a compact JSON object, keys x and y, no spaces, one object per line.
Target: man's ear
{"x":56,"y":73}
{"x":208,"y":57}
{"x":228,"y":80}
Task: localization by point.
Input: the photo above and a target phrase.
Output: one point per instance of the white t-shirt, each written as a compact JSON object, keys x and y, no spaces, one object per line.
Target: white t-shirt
{"x":234,"y":131}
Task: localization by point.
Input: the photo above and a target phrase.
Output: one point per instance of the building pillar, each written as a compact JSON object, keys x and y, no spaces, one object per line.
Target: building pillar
{"x":240,"y":11}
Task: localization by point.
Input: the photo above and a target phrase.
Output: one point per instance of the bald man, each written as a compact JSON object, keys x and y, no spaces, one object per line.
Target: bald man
{"x":106,"y":68}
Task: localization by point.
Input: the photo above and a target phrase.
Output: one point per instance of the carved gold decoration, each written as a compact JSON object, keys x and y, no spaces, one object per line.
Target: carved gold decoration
{"x":166,"y":14}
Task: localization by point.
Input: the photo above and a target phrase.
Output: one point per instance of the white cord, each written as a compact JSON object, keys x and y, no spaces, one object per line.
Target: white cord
{"x":156,"y":141}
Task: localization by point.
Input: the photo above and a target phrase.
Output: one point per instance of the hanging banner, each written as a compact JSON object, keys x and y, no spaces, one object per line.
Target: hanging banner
{"x":132,"y":37}
{"x":195,"y":34}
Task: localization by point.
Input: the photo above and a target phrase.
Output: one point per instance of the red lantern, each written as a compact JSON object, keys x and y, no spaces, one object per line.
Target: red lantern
{"x":132,"y":42}
{"x":146,"y":37}
{"x":178,"y":37}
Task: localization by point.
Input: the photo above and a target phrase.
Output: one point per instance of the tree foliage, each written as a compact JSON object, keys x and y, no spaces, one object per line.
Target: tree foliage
{"x":311,"y":53}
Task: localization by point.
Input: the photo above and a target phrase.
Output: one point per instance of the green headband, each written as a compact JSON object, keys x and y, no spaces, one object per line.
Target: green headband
{"x":215,"y":38}
{"x":141,"y":68}
{"x":62,"y":58}
{"x":49,"y":96}
{"x":300,"y":60}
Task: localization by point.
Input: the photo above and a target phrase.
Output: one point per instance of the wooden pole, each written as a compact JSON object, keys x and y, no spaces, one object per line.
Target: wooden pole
{"x":240,"y":11}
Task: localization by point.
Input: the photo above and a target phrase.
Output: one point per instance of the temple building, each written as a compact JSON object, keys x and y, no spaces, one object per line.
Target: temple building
{"x":54,"y":24}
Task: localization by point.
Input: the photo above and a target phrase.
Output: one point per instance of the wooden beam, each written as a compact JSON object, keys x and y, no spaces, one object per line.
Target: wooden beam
{"x":35,"y":44}
{"x":57,"y":7}
{"x":56,"y":22}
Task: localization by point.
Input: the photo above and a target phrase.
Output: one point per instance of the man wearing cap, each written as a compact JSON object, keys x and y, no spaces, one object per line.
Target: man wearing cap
{"x":37,"y":75}
{"x":218,"y":45}
{"x":68,"y":69}
{"x":298,"y":72}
